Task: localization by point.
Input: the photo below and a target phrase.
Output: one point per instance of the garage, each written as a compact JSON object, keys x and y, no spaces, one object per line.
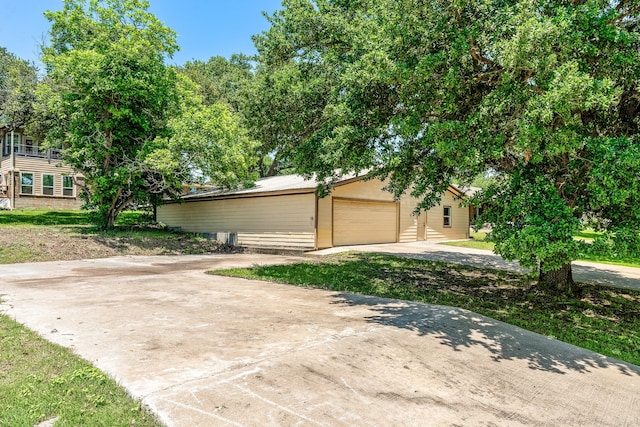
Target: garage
{"x":286,"y":212}
{"x":357,"y":222}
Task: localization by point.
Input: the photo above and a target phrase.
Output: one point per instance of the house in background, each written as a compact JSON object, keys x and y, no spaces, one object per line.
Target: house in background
{"x":33,"y":177}
{"x":284,"y":211}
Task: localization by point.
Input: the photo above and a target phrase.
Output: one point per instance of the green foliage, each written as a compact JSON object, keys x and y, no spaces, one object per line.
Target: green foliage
{"x":211,"y":140}
{"x":232,"y":82}
{"x":18,"y":79}
{"x":111,"y":95}
{"x":424,"y":93}
{"x":41,"y":381}
{"x":114,"y":107}
{"x":222,"y":81}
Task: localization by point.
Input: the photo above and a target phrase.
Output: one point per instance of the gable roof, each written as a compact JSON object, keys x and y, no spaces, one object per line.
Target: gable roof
{"x":286,"y":184}
{"x":291,"y":184}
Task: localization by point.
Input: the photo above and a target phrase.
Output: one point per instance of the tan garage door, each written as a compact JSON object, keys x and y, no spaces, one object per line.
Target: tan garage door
{"x":357,"y":222}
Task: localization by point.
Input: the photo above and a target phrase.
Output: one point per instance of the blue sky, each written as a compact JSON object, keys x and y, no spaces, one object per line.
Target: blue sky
{"x":205,"y":28}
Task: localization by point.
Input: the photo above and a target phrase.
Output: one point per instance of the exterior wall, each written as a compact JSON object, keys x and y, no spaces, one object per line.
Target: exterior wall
{"x":39,"y":166}
{"x":290,"y":220}
{"x":48,"y":202}
{"x":366,"y":190}
{"x":287,"y":220}
{"x":325,"y":223}
{"x":408,"y":221}
{"x":459,"y":219}
{"x":29,"y":158}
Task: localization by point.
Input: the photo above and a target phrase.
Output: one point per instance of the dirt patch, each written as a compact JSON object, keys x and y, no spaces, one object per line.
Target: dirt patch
{"x":46,"y":243}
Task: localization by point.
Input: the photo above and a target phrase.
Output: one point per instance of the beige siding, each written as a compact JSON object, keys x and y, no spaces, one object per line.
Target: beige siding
{"x":39,"y":166}
{"x":459,"y":219}
{"x":367,"y":190}
{"x":359,"y":211}
{"x":287,"y":220}
{"x":408,"y":221}
{"x":325,"y":223}
{"x":373,"y":190}
{"x":360,"y":222}
{"x":285,"y":240}
{"x":422,"y":226}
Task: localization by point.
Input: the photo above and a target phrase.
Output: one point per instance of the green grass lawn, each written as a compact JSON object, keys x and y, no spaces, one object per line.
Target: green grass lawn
{"x":478,"y":241}
{"x":605,"y":320}
{"x":40,"y":381}
{"x":37,"y":217}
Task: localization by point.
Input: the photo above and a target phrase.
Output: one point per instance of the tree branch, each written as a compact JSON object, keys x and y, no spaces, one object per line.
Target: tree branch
{"x":622,"y":16}
{"x":476,"y":54}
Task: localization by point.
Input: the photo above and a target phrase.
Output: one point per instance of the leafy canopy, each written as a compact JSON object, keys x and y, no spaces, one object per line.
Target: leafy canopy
{"x":126,"y":121}
{"x":18,"y":79}
{"x":543,"y":94}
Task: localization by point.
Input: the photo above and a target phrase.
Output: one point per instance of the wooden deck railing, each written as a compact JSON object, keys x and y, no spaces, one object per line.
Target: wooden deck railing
{"x":33,"y":151}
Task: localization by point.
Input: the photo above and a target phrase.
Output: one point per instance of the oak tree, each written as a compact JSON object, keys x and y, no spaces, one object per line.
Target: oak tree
{"x":545,"y":95}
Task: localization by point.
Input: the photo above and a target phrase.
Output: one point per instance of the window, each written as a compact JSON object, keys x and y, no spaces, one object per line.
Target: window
{"x":47,"y":185}
{"x":67,"y":186}
{"x":26,"y":183}
{"x":7,"y":143}
{"x":447,"y":216}
{"x":29,"y":148}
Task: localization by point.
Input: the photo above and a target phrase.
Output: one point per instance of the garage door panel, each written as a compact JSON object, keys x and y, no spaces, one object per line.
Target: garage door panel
{"x":364,"y":222}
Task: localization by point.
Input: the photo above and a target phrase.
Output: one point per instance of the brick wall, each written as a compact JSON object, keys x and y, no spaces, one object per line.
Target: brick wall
{"x":54,"y":203}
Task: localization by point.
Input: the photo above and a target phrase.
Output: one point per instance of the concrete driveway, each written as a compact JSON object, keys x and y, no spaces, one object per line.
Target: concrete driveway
{"x":205,"y":351}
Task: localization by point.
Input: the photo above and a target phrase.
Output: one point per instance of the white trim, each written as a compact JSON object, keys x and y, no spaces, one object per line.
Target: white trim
{"x":33,"y":183}
{"x":445,"y":217}
{"x":72,"y":188}
{"x":53,"y":185}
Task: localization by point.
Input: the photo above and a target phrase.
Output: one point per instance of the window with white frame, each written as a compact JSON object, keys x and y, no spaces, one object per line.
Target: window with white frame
{"x":67,"y":186}
{"x":446,"y":216}
{"x":47,"y":184}
{"x":7,"y":143}
{"x":26,"y":183}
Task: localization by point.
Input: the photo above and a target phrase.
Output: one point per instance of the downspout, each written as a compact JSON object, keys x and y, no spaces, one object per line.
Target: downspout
{"x":13,"y":173}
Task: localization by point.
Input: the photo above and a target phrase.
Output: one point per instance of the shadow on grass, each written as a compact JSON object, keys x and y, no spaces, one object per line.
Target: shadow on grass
{"x":462,"y":329}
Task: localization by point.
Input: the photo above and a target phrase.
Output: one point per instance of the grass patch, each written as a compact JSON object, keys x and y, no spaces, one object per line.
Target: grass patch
{"x":38,"y":235}
{"x":40,"y":381}
{"x":36,"y":217}
{"x":626,"y":262}
{"x":604,"y":320}
{"x":43,"y":217}
{"x":478,"y":241}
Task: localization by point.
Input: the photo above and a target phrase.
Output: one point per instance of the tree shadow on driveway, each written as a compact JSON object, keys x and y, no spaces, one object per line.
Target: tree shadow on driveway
{"x":461,"y":329}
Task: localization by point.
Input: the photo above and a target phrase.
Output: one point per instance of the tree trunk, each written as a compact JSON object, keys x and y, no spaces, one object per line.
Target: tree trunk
{"x":111,"y":219}
{"x":558,"y":281}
